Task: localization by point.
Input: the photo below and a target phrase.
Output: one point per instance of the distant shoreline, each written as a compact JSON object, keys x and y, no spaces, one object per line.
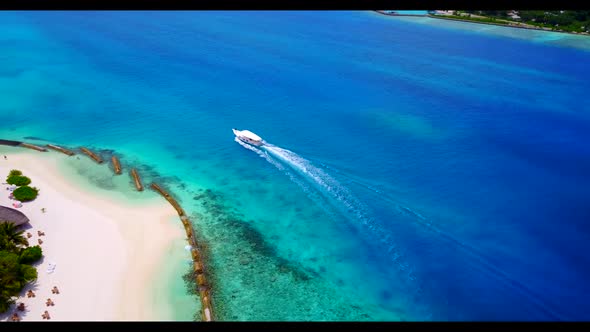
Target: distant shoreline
{"x":507,"y":25}
{"x":487,"y":23}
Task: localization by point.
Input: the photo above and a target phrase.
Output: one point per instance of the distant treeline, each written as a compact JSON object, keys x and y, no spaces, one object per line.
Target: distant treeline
{"x":566,"y":20}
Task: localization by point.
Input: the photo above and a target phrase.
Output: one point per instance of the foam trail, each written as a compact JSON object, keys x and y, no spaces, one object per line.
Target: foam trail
{"x":337,"y":200}
{"x":306,"y":189}
{"x":324,"y":183}
{"x":261,"y":154}
{"x":346,"y":203}
{"x":343,"y":195}
{"x":482,"y":262}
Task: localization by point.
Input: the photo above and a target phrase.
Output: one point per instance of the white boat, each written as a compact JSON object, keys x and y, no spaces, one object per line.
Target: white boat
{"x":248,"y":137}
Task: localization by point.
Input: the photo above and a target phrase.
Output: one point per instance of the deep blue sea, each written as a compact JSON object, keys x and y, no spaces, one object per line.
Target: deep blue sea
{"x":413,"y":171}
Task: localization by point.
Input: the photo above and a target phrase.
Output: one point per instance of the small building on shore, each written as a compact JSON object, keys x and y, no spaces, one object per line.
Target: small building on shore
{"x":514,"y":17}
{"x":443,"y":12}
{"x":12,"y":216}
{"x":513,"y":14}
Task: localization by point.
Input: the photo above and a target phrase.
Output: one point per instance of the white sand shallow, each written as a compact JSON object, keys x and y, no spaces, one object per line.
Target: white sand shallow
{"x":107,"y":252}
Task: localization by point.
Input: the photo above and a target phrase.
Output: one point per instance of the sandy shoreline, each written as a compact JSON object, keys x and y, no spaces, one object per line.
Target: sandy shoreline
{"x":107,"y":252}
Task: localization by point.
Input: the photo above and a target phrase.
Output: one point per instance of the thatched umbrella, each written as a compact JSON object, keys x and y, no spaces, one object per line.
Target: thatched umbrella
{"x":12,"y":216}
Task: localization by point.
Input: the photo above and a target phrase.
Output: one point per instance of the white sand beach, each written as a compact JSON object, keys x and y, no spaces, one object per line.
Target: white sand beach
{"x":107,"y":253}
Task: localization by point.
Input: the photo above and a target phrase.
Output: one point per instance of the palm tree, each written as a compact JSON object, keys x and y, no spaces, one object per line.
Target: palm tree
{"x":13,"y":274}
{"x":14,"y":278}
{"x":5,"y":302}
{"x":10,"y":236}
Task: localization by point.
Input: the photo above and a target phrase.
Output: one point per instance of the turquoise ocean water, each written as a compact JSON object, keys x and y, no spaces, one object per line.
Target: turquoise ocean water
{"x":416,"y":169}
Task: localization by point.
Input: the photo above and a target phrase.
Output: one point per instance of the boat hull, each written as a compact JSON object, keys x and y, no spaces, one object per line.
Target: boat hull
{"x":251,"y":142}
{"x":246,"y":139}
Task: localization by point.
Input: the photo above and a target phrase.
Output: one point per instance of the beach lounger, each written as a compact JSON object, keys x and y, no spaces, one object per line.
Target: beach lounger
{"x":51,"y":267}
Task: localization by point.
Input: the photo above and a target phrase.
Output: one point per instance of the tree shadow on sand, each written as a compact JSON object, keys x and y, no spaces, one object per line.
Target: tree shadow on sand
{"x":7,"y":315}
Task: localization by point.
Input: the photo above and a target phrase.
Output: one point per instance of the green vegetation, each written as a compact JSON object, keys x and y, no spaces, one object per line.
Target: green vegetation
{"x":14,"y":272}
{"x":30,"y":255}
{"x":15,"y":255}
{"x":18,"y":180}
{"x":475,"y":19}
{"x":15,"y":172}
{"x":25,"y":193}
{"x":557,"y":20}
{"x":10,"y":237}
{"x":566,"y":20}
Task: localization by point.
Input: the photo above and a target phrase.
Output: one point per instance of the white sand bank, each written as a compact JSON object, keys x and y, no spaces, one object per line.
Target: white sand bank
{"x":107,"y":252}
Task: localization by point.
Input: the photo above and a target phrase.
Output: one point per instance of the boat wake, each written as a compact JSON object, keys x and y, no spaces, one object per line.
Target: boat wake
{"x":326,"y":184}
{"x":323,"y":188}
{"x":339,"y":196}
{"x":312,"y":194}
{"x":477,"y":257}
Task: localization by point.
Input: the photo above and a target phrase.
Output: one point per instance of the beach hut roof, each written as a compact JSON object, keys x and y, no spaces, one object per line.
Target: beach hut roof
{"x":13,"y":216}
